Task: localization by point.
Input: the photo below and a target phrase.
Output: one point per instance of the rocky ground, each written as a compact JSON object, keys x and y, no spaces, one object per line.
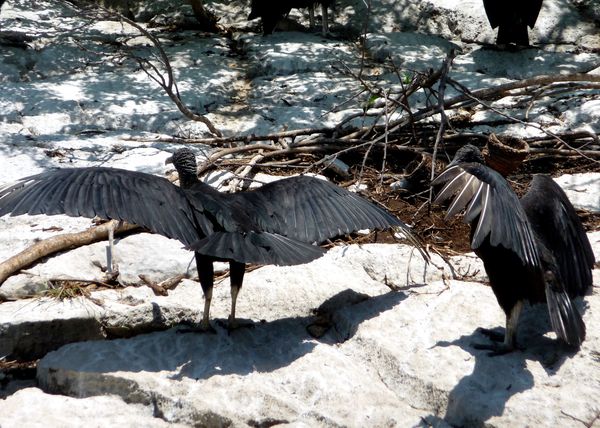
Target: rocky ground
{"x":368,"y":335}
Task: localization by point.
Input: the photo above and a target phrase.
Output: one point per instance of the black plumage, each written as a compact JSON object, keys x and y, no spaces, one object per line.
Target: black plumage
{"x":275,"y":224}
{"x":512,"y":17}
{"x":534,"y":249}
{"x":271,"y":12}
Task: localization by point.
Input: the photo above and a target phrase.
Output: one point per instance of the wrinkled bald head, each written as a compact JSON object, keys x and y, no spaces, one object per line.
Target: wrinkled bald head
{"x":184,"y":161}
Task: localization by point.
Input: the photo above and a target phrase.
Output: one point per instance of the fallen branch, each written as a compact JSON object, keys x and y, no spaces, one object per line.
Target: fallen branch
{"x":245,"y":139}
{"x":516,"y":120}
{"x":58,"y":243}
{"x":377,"y":132}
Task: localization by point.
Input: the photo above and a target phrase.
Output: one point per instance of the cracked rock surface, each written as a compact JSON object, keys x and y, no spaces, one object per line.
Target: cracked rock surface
{"x":368,"y":335}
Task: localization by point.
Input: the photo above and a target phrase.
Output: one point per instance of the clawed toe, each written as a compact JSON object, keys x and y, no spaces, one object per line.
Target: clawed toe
{"x":495,"y":349}
{"x":200,"y":328}
{"x":492,"y":334}
{"x":232,"y":325}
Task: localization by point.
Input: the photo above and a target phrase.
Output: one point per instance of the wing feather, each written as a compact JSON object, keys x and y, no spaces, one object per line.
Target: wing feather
{"x":111,"y":193}
{"x":558,"y":226}
{"x":313,"y":210}
{"x":492,"y":204}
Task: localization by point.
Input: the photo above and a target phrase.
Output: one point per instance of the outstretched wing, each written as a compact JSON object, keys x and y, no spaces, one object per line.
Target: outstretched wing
{"x":312,"y":210}
{"x":487,"y":198}
{"x":136,"y":197}
{"x":556,"y":223}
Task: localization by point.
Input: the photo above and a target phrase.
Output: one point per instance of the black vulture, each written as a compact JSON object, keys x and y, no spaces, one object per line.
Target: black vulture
{"x":512,"y":17}
{"x":271,"y":12}
{"x":534,"y":249}
{"x":276,"y":224}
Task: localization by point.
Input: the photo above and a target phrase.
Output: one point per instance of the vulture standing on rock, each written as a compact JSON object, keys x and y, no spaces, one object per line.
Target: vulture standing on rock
{"x":275,"y":224}
{"x":534,"y":249}
{"x":512,"y":17}
{"x":271,"y":12}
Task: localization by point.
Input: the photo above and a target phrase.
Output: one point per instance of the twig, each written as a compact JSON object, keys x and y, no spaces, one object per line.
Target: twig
{"x":58,"y":243}
{"x":163,"y":288}
{"x":516,"y":120}
{"x":587,"y":424}
{"x":443,"y":119}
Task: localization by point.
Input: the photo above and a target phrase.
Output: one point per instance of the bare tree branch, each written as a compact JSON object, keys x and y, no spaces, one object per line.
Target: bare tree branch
{"x":58,"y":243}
{"x":168,"y":84}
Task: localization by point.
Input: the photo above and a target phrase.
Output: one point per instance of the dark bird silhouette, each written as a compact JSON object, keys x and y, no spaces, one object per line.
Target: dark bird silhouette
{"x":512,"y":17}
{"x":534,"y":249}
{"x":275,"y":224}
{"x":271,"y":12}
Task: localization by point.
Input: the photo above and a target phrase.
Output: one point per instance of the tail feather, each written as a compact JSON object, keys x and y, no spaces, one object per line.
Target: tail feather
{"x":257,"y":247}
{"x":565,"y":318}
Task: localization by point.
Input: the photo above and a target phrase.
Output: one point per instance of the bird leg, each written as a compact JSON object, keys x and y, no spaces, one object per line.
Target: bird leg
{"x":205,"y":323}
{"x":111,"y":247}
{"x":236,"y":277}
{"x":233,"y":324}
{"x":510,"y":335}
{"x":205,"y":274}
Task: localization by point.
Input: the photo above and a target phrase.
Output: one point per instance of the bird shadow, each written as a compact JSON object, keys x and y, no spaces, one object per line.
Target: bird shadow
{"x":484,"y":392}
{"x":271,"y":345}
{"x":266,"y":347}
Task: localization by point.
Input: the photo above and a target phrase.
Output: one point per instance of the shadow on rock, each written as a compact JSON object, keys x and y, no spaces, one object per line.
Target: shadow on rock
{"x":264,"y":348}
{"x":339,"y":317}
{"x":484,"y":393}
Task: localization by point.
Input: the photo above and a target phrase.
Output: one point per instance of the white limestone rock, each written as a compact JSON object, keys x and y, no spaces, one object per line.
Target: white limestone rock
{"x":583,"y":190}
{"x":30,"y":328}
{"x":390,"y":359}
{"x":152,"y":255}
{"x":31,"y":408}
{"x":287,"y":54}
{"x":269,"y":293}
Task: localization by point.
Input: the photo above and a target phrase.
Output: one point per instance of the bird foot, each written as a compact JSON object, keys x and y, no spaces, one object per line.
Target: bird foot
{"x":492,"y":334}
{"x":235,"y":324}
{"x":498,"y":345}
{"x":495,"y":349}
{"x":200,"y":328}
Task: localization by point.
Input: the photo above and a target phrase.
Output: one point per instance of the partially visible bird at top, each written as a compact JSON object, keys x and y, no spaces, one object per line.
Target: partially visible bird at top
{"x":277,"y":223}
{"x":534,"y":249}
{"x":271,"y":12}
{"x":512,"y":17}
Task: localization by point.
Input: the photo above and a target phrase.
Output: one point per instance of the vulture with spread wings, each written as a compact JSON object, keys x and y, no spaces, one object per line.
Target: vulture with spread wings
{"x":279,"y":223}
